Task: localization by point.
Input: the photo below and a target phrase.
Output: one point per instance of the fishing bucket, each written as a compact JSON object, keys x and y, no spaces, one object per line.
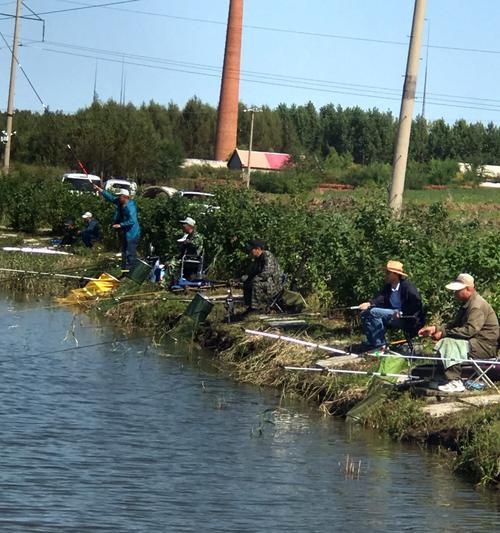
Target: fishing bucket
{"x":140,"y":271}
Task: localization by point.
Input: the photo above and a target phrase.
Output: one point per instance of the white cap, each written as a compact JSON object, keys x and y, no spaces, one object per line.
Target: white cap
{"x":87,"y":214}
{"x":462,"y":281}
{"x":188,"y":220}
{"x":123,"y":192}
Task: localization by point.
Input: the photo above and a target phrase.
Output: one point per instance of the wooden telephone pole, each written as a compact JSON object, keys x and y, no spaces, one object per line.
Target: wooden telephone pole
{"x":406,"y":113}
{"x":12,"y":84}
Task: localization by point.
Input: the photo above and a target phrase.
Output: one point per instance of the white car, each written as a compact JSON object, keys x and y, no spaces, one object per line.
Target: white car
{"x":202,"y":199}
{"x":158,"y":190}
{"x":79,"y":183}
{"x":114,"y":185}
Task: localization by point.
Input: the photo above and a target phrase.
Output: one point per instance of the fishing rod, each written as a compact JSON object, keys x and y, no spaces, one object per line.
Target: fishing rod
{"x":435,"y":359}
{"x":68,"y":276}
{"x":342,"y":371}
{"x":80,"y":164}
{"x":294,"y":340}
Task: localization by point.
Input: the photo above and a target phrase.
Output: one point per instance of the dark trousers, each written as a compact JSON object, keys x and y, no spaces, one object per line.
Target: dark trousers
{"x":129,"y":252}
{"x":247,"y":291}
{"x":88,"y":239}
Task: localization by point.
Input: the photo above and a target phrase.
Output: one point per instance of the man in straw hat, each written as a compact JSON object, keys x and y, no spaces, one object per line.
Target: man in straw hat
{"x":398,"y":305}
{"x":472,"y":333}
{"x":126,"y":222}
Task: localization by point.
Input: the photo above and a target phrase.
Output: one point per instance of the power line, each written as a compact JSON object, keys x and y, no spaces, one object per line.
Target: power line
{"x":367,"y":89}
{"x":80,"y":8}
{"x":295,"y":32}
{"x":23,"y":71}
{"x":444,"y":103}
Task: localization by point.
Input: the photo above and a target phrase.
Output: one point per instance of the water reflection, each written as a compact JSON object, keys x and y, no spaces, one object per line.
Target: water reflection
{"x":117,"y":438}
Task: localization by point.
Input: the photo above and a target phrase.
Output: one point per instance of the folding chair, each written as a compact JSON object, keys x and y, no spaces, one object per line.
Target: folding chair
{"x":480,"y":372}
{"x":194,"y":264}
{"x":275,"y":301}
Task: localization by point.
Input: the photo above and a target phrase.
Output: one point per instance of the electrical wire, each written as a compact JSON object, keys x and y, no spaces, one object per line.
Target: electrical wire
{"x":80,"y":8}
{"x":272,"y":76}
{"x":296,"y":32}
{"x":23,"y":71}
{"x":305,"y":85}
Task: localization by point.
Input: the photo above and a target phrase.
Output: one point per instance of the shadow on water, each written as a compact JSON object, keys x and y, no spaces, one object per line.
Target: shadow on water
{"x":123,"y":436}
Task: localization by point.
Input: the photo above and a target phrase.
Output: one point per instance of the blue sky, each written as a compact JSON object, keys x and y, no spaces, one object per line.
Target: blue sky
{"x":278,"y":66}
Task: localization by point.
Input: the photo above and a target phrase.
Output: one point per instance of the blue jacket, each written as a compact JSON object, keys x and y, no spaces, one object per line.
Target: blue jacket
{"x":126,"y":216}
{"x":93,"y":230}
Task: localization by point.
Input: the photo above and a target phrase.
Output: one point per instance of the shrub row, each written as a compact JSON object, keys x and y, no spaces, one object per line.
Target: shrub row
{"x":334,"y":253}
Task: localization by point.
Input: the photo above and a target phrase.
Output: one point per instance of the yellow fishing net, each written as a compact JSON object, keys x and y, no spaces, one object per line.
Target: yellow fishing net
{"x":104,"y":284}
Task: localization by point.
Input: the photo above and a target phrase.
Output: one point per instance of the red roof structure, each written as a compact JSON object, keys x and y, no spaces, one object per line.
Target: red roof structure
{"x":265,"y":161}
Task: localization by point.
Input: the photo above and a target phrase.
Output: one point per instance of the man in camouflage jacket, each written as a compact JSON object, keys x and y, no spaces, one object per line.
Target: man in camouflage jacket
{"x":264,"y":280}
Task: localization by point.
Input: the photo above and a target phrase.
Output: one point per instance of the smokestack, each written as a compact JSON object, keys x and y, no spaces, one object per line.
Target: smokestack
{"x":227,"y":121}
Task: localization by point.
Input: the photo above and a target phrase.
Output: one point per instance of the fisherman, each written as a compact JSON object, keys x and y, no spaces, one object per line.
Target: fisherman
{"x":264,"y":281}
{"x":191,"y":245}
{"x":473,"y":332}
{"x":125,"y":220}
{"x":70,"y":232}
{"x":92,"y":231}
{"x":398,"y":305}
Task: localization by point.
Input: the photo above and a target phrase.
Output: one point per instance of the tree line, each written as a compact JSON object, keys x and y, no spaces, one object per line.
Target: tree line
{"x":148,"y":142}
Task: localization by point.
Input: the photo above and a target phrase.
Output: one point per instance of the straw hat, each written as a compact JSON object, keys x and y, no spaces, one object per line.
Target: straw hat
{"x":396,"y":267}
{"x":188,"y":220}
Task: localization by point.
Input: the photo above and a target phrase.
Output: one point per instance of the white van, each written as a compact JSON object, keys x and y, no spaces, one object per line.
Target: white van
{"x":79,"y":183}
{"x":114,"y":185}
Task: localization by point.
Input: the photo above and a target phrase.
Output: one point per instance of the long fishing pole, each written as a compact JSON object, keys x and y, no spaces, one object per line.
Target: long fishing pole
{"x":342,"y":371}
{"x":435,"y":359}
{"x":51,"y":274}
{"x":294,"y":340}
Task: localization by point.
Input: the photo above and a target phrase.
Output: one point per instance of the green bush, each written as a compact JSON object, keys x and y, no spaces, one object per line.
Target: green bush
{"x":336,"y":253}
{"x":284,"y":182}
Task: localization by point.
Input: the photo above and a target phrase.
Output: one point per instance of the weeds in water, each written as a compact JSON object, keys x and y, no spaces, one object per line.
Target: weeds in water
{"x":351,"y":468}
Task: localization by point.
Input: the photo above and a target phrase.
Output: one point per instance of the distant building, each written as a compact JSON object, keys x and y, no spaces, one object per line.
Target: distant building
{"x":487,"y":171}
{"x":203,"y":163}
{"x":264,"y":161}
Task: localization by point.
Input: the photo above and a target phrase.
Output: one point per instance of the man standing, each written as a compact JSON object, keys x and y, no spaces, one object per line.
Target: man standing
{"x":125,"y":220}
{"x":398,"y":305}
{"x":92,"y":231}
{"x":472,"y":333}
{"x":264,"y":280}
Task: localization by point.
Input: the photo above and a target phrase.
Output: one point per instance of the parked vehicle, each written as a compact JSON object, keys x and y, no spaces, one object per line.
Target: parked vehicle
{"x":79,"y":183}
{"x":114,"y":184}
{"x":202,"y":199}
{"x":158,"y":190}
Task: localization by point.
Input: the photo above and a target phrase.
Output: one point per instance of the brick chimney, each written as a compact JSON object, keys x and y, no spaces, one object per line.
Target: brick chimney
{"x":227,"y":121}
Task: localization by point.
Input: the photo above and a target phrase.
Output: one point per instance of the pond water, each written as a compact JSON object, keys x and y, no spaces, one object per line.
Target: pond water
{"x":123,"y":437}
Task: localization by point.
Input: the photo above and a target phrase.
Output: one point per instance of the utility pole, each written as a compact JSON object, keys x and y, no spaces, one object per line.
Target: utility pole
{"x":252,"y":112}
{"x":406,"y":114}
{"x":12,"y":84}
{"x":426,"y":67}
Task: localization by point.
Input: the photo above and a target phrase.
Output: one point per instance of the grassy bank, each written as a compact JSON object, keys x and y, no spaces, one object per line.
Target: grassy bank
{"x":472,"y":437}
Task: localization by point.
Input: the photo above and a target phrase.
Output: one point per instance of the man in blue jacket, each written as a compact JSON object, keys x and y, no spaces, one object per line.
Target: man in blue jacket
{"x":398,"y":305}
{"x":92,"y":231}
{"x":125,"y":220}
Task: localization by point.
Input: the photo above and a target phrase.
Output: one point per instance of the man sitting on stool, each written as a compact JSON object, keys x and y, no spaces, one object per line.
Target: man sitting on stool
{"x":472,"y":333}
{"x":92,"y":231}
{"x":191,"y":244}
{"x":264,"y":280}
{"x":398,"y":305}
